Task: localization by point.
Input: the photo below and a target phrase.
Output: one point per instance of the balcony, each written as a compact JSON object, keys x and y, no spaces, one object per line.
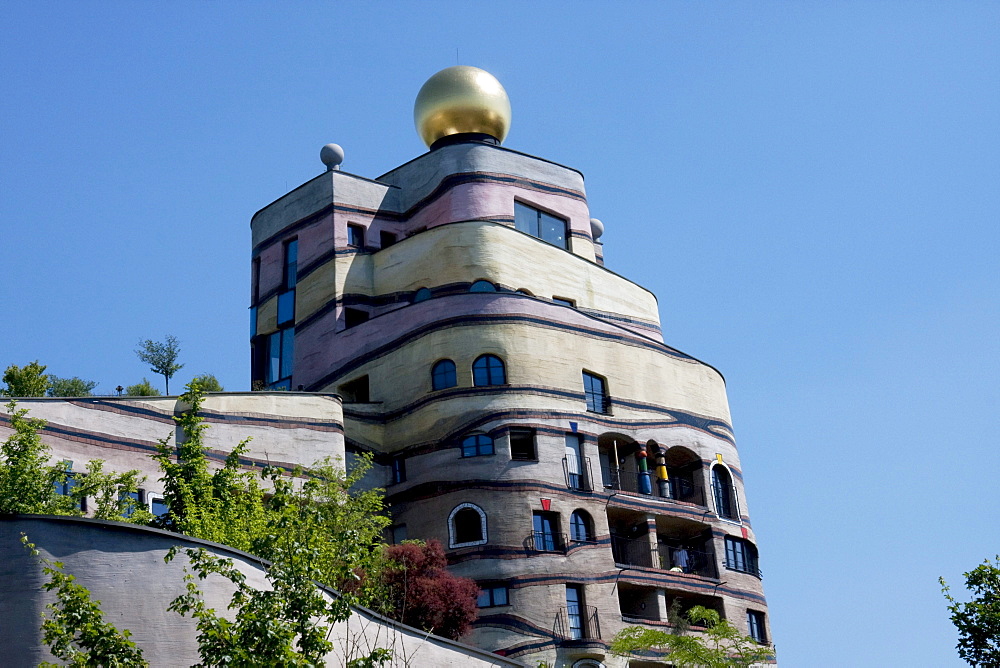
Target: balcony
{"x":645,"y":482}
{"x":577,"y":473}
{"x":543,"y":541}
{"x":578,"y":623}
{"x":643,"y":554}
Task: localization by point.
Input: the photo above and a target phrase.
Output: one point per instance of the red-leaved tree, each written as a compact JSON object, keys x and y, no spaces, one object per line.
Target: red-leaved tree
{"x":420,"y":591}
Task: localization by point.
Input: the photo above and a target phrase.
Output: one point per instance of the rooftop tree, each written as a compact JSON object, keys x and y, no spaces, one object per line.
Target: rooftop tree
{"x":161,"y":356}
{"x":27,"y":381}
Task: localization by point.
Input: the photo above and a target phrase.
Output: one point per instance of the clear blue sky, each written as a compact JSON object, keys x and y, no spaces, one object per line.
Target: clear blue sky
{"x":811,"y":190}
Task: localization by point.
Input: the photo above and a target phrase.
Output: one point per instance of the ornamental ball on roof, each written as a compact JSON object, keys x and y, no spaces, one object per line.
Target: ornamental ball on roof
{"x":460,"y":100}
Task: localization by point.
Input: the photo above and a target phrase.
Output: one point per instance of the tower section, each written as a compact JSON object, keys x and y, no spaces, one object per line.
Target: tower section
{"x":518,"y":394}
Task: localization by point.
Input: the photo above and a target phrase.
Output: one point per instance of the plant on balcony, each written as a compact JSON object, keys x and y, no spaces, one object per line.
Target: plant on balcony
{"x":720,"y":646}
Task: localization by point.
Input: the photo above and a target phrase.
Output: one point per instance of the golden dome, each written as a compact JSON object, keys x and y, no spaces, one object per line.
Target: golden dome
{"x":460,"y":100}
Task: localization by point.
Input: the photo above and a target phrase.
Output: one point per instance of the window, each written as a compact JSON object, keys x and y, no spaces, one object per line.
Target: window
{"x":72,"y":481}
{"x":488,"y":370}
{"x":356,"y":236}
{"x":157,"y":505}
{"x":356,"y":390}
{"x":467,"y":526}
{"x":477,"y":445}
{"x":398,"y":467}
{"x":136,"y":502}
{"x":574,"y":610}
{"x":580,"y":527}
{"x":443,"y":375}
{"x":575,"y":465}
{"x":597,"y":393}
{"x":291,"y":274}
{"x":755,"y":626}
{"x":545,"y":532}
{"x":397,"y":534}
{"x":490,"y":596}
{"x":286,"y":307}
{"x":386,"y":239}
{"x":421,"y":295}
{"x":354,"y":317}
{"x":539,"y":224}
{"x":722,"y":490}
{"x":482,"y":286}
{"x":741,"y":556}
{"x":281,"y":357}
{"x":564,"y":301}
{"x":522,"y":444}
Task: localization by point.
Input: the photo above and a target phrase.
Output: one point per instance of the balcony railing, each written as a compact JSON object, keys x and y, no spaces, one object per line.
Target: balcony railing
{"x":578,"y":473}
{"x":577,"y":622}
{"x":646,"y":482}
{"x":640,"y":552}
{"x":540,"y":541}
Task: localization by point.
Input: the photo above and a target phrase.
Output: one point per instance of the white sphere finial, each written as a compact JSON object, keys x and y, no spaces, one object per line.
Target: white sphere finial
{"x":331,"y":155}
{"x":596,"y":228}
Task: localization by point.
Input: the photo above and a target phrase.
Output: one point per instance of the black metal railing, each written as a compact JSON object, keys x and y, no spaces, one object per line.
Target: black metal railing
{"x":577,"y":622}
{"x":542,"y":541}
{"x":750,"y":568}
{"x":578,"y":473}
{"x":633,"y":552}
{"x":646,"y":482}
{"x":688,"y":560}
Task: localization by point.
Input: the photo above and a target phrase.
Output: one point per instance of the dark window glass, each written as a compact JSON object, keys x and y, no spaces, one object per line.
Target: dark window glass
{"x":386,"y":239}
{"x":274,"y":357}
{"x":755,"y":624}
{"x":287,"y":351}
{"x":397,"y":534}
{"x":443,"y":375}
{"x":477,"y":445}
{"x":579,"y":526}
{"x":356,"y":236}
{"x":540,"y":224}
{"x":488,"y":370}
{"x":546,"y":528}
{"x":722,"y":489}
{"x":136,"y":502}
{"x":482,"y":286}
{"x":356,"y":390}
{"x":354,"y":317}
{"x":421,"y":295}
{"x":468,"y":526}
{"x":286,"y":307}
{"x":66,"y":487}
{"x":291,"y":263}
{"x":564,"y":302}
{"x":253,"y":321}
{"x":574,"y":605}
{"x":398,"y":470}
{"x":255,"y":282}
{"x":522,"y":444}
{"x":158,"y":506}
{"x":596,"y":391}
{"x":491,"y":596}
{"x":741,"y":556}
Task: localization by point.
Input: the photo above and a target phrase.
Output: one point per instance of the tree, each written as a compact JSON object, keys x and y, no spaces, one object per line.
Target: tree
{"x":418,"y":590}
{"x":143,"y":389}
{"x":70,"y":387}
{"x":209,"y":383}
{"x":27,"y":381}
{"x":161,"y":357}
{"x":722,"y":646}
{"x":978,"y":620}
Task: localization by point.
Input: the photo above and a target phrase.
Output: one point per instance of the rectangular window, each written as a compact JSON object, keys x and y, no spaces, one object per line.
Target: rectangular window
{"x":397,"y":534}
{"x":491,"y":596}
{"x":398,"y":470}
{"x":546,"y":534}
{"x":136,"y":499}
{"x":72,"y":481}
{"x":356,"y":236}
{"x":255,"y":282}
{"x":291,"y":263}
{"x":286,"y":307}
{"x":522,"y":445}
{"x":281,"y":357}
{"x":576,"y":477}
{"x":386,"y":239}
{"x":755,"y":626}
{"x":157,"y":504}
{"x":539,"y":224}
{"x":354,"y":317}
{"x":564,"y":301}
{"x":597,"y":393}
{"x":741,"y":556}
{"x":574,"y":611}
{"x":356,"y":390}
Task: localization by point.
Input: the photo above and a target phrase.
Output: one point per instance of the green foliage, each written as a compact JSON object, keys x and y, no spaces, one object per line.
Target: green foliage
{"x":27,"y":381}
{"x":143,"y":389}
{"x":161,"y":356}
{"x":70,"y":387}
{"x":978,"y":620}
{"x":722,"y":645}
{"x":75,"y":630}
{"x":209,"y":383}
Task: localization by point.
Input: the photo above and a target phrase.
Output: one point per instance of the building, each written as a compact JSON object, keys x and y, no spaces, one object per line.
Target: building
{"x":519,"y":396}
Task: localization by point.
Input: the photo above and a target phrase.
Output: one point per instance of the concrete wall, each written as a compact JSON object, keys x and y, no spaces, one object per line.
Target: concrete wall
{"x":123,"y":567}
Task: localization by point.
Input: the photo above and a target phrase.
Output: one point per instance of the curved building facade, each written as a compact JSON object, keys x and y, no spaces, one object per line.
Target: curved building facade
{"x":517,"y":394}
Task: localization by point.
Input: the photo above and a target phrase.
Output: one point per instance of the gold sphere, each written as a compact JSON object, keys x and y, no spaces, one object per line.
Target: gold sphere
{"x":461,"y":99}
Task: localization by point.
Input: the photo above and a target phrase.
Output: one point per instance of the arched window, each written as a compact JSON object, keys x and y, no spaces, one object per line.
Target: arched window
{"x":580,"y":526}
{"x":421,"y":295}
{"x":443,"y":375}
{"x":466,"y":526}
{"x":488,"y":370}
{"x":482,"y":286}
{"x":722,"y":489}
{"x":477,"y":445}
